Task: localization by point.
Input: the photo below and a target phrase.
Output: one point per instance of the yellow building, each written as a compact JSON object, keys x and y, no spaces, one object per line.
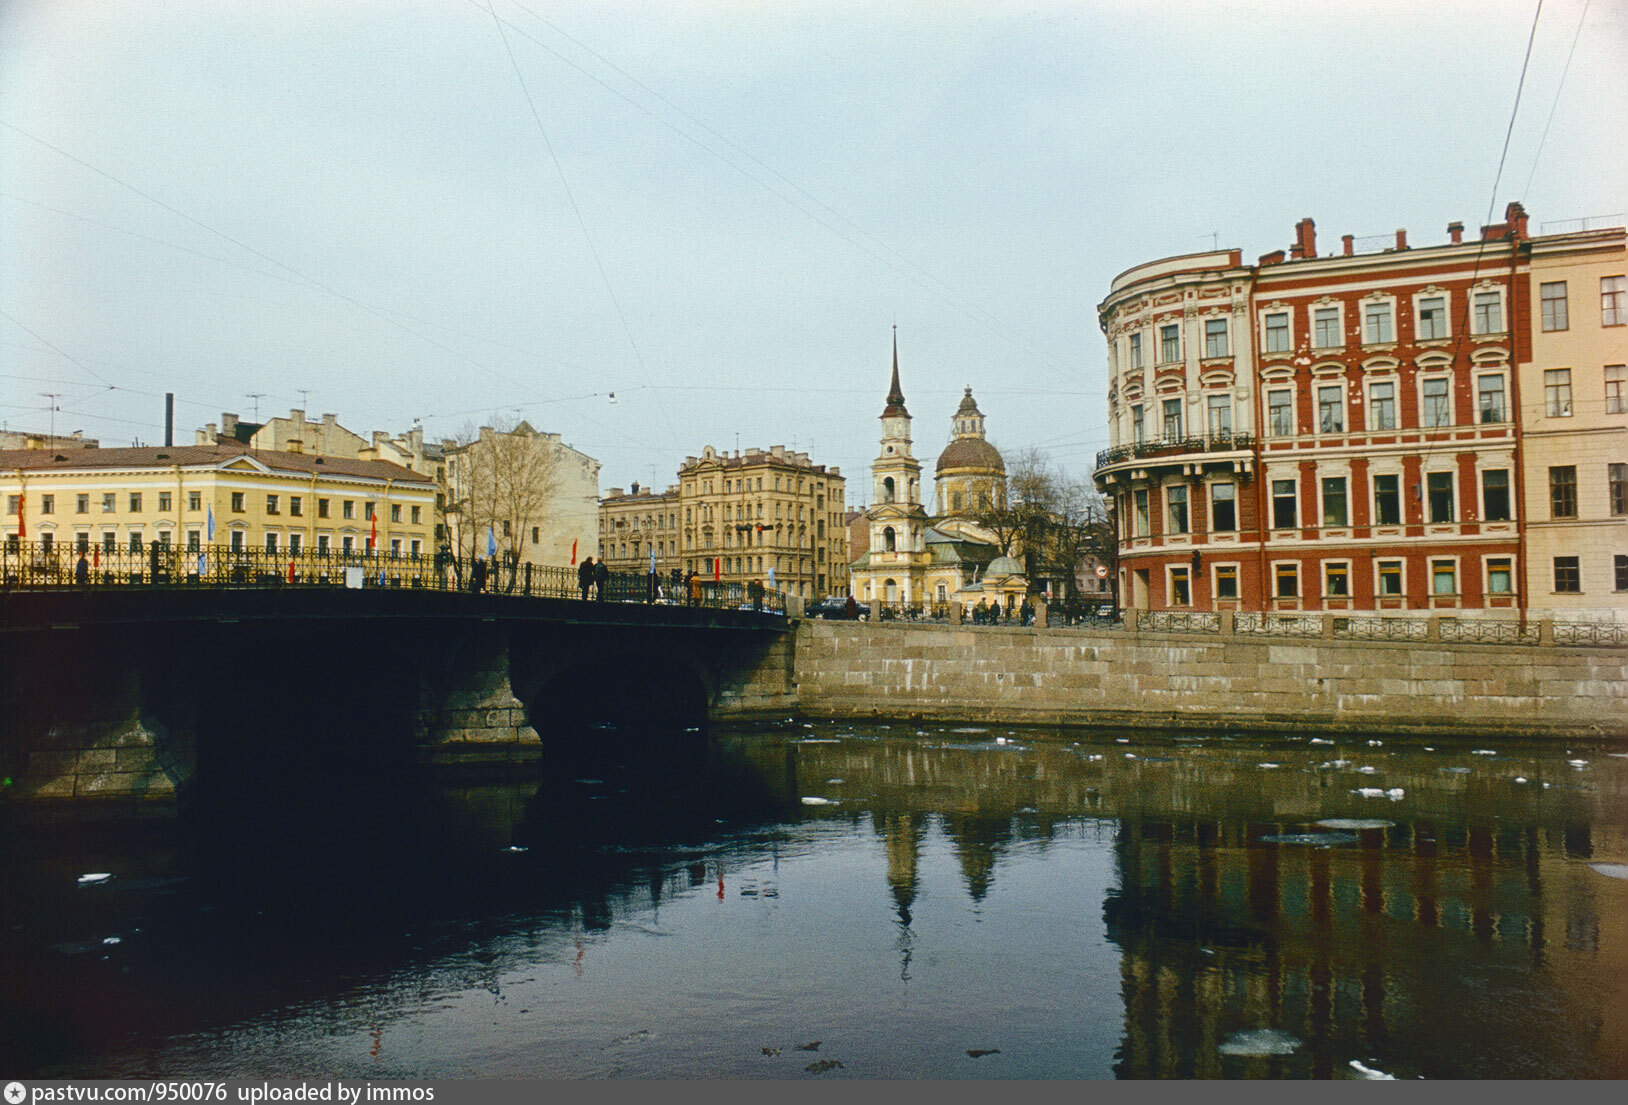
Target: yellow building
{"x":770,"y":516}
{"x":220,"y":494}
{"x":1574,"y":426}
{"x":638,"y":529}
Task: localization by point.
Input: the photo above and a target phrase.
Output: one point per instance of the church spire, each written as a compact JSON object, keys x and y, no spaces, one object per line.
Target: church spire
{"x":895,"y":396}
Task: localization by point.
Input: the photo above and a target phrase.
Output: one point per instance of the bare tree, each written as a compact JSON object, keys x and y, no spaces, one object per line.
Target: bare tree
{"x":1009,"y":517}
{"x":1055,"y":521}
{"x":501,"y":481}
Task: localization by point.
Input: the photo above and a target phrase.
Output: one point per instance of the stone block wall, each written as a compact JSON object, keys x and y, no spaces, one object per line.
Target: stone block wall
{"x":1069,"y":676}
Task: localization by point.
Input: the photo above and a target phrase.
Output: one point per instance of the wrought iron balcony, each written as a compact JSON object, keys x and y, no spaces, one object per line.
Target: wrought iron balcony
{"x":1169,"y":447}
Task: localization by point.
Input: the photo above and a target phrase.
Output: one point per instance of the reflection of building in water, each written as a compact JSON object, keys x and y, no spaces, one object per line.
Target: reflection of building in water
{"x":1397,"y":944}
{"x":903,"y":834}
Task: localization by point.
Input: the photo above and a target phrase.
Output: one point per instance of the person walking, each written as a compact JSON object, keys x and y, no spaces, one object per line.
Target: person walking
{"x":850,"y":609}
{"x":585,"y":576}
{"x":477,"y":576}
{"x":601,"y":577}
{"x":81,"y":570}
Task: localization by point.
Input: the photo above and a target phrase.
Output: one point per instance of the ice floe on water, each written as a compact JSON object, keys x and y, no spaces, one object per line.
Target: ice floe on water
{"x":1520,"y":778}
{"x":94,"y":877}
{"x":1578,"y":763}
{"x":1367,"y":770}
{"x":1316,"y":840}
{"x":834,"y":782}
{"x":819,"y":740}
{"x":1375,"y":744}
{"x":1457,"y":770}
{"x":1259,"y":1041}
{"x":1320,"y":740}
{"x":1475,"y":752}
{"x":1370,"y":1073}
{"x":809,"y":800}
{"x":1355,"y":823}
{"x":517,"y":848}
{"x":1093,"y":756}
{"x":1394,"y":794}
{"x":969,"y":730}
{"x":1270,"y":765}
{"x":1611,"y":870}
{"x":1122,"y":740}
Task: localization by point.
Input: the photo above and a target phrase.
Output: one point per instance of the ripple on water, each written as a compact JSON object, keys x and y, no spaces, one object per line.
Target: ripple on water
{"x":1259,"y":1041}
{"x":1316,"y":840}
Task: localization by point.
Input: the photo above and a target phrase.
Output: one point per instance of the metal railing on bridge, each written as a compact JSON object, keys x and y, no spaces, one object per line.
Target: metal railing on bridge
{"x":36,"y":565}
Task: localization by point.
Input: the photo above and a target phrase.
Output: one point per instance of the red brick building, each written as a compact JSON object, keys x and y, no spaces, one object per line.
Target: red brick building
{"x":1322,"y":433}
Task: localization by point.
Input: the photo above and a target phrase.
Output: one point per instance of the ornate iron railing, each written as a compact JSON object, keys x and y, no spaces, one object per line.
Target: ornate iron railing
{"x":1178,"y":621}
{"x":39,"y":564}
{"x":1269,"y":624}
{"x":1489,"y":632}
{"x":1162,"y":447}
{"x":1381,"y":629}
{"x":1591,"y":633}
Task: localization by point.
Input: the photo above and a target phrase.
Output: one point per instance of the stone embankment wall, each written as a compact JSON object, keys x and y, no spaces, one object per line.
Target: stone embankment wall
{"x":1070,"y":676}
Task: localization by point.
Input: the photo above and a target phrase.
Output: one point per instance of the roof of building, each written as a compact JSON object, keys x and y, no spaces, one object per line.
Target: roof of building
{"x":1004,"y":566}
{"x":969,"y":405}
{"x":202,"y":456}
{"x":971,"y":452}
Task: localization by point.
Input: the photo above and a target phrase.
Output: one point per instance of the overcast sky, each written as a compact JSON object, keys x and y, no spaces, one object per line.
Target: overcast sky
{"x":718,"y":211}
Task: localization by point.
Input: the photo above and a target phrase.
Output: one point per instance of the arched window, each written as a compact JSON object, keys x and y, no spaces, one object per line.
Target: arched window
{"x":891,"y":589}
{"x":887,"y":490}
{"x":888,"y":541}
{"x":955,"y":500}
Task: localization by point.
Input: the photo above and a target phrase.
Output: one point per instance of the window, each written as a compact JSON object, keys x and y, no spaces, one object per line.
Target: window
{"x":1330,"y":409}
{"x":1337,"y":579}
{"x":237,"y":502}
{"x":418,"y":518}
{"x":1382,"y":405}
{"x":135,"y":502}
{"x":367,"y":512}
{"x":1553,"y":308}
{"x":322,"y":508}
{"x":48,"y":504}
{"x":1617,"y":477}
{"x":1215,"y":337}
{"x":296,"y":506}
{"x":1223,"y":507}
{"x":1277,"y":332}
{"x":1563,"y":491}
{"x":1443,"y":577}
{"x":1172,"y":419}
{"x":395,"y":548}
{"x":415,"y":548}
{"x":46,"y":541}
{"x":82,"y":541}
{"x":1142,"y":513}
{"x":1432,"y":317}
{"x":135,"y":541}
{"x":1613,"y":301}
{"x":1376,"y":324}
{"x":81,"y":504}
{"x":271,"y":505}
{"x":1489,"y":392}
{"x":164,"y":501}
{"x":1287,"y":577}
{"x":194,"y":540}
{"x":347,"y":508}
{"x":1495,"y":494}
{"x":13,"y":503}
{"x":1616,"y":401}
{"x":1487,"y":316}
{"x":1181,"y":591}
{"x":1334,"y":512}
{"x":1620,"y":563}
{"x":537,"y":534}
{"x":1176,"y":503}
{"x":1557,"y":392}
{"x":1136,"y":350}
{"x":271,"y":543}
{"x":1435,"y":410}
{"x":1138,"y":425}
{"x":109,"y":501}
{"x":1226,"y":581}
{"x":194,"y":500}
{"x":1387,"y":500}
{"x":1439,"y":495}
{"x":1326,"y":328}
{"x":293,"y":544}
{"x":1283,"y":504}
{"x":347,"y":544}
{"x":395,"y":514}
{"x":1500,"y":575}
{"x":1220,"y":408}
{"x":1169,"y":343}
{"x":322,"y":544}
{"x":1280,"y":412}
{"x":1568,"y":576}
{"x":1390,"y":577}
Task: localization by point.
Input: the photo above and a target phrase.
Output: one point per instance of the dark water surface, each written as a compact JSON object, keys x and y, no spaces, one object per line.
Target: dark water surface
{"x":1071,"y":905}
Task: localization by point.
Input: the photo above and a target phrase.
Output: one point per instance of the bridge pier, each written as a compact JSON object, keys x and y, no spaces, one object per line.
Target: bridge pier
{"x":469,"y":714}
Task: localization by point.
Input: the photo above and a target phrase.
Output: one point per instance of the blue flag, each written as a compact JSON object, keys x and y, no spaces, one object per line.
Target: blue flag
{"x":491,"y":542}
{"x":211,"y":529}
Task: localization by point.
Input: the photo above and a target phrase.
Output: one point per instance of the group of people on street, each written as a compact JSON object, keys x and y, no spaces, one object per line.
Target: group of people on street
{"x":990,"y":613}
{"x":592,"y":576}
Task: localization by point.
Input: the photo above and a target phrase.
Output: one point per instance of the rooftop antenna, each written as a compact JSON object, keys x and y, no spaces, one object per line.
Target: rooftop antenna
{"x":256,"y":396}
{"x":53,"y":396}
{"x":305,"y":399}
{"x":1215,"y":239}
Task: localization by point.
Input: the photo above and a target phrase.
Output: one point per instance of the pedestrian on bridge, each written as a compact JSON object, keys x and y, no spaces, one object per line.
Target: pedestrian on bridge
{"x":477,"y":576}
{"x":585,"y":576}
{"x":81,"y":570}
{"x":601,"y":577}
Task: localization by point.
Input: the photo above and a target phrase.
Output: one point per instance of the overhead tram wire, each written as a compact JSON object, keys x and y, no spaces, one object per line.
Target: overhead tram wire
{"x":1553,"y":107}
{"x":581,"y":222}
{"x":311,"y":280}
{"x":988,"y":322}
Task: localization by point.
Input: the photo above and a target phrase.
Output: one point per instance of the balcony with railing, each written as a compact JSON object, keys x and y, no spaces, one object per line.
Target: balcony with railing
{"x":1205,"y":445}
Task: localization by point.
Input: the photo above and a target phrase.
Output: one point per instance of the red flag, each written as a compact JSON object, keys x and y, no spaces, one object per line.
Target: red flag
{"x":373,"y":538}
{"x":22,"y":516}
{"x":96,"y":556}
{"x":573,"y":552}
{"x":717,"y":568}
{"x":291,"y":571}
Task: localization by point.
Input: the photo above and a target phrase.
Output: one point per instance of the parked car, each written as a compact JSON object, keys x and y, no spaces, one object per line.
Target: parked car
{"x":834,"y":608}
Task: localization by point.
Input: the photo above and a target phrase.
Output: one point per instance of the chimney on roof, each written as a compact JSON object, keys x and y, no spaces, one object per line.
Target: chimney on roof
{"x":206,"y":436}
{"x":614,"y":493}
{"x":169,"y":419}
{"x":367,"y":452}
{"x":1305,"y":238}
{"x":1349,"y":241}
{"x":635,"y":490}
{"x":1455,"y":231}
{"x":228,"y":424}
{"x":1401,"y":239}
{"x":1515,"y":216}
{"x":1273,"y":258}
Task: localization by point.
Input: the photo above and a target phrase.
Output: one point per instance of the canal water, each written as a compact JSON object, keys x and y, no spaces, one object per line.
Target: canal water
{"x":833,"y":900}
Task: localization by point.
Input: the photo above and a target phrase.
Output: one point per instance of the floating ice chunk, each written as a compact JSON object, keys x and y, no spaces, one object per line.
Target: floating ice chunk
{"x":1578,"y":763}
{"x":1259,"y":1041}
{"x":1270,"y":765}
{"x":1130,"y":755}
{"x":969,"y":729}
{"x":809,"y":800}
{"x":1320,"y":740}
{"x":833,"y":782}
{"x":807,"y":725}
{"x":1520,"y":778}
{"x":1375,"y":744}
{"x":94,"y":877}
{"x":1000,"y":740}
{"x":1122,"y":740}
{"x":1369,"y":792}
{"x":1368,"y":770}
{"x":1475,"y":752}
{"x":1371,"y":1074}
{"x":1618,"y":755}
{"x":1429,"y":748}
{"x":1611,"y":870}
{"x":517,"y":848}
{"x":1314,"y":839}
{"x":1396,"y":794}
{"x":1457,"y":770}
{"x":1546,"y":786}
{"x":112,"y":940}
{"x":1355,"y":823}
{"x":819,"y":740}
{"x":1091,"y":757}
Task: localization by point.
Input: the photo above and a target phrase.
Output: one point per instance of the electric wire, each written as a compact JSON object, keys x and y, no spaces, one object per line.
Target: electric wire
{"x":1553,"y":107}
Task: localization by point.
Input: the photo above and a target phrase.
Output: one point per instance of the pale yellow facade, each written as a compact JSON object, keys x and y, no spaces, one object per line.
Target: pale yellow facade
{"x":639,"y":529}
{"x":128,"y":499}
{"x":1574,"y":426}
